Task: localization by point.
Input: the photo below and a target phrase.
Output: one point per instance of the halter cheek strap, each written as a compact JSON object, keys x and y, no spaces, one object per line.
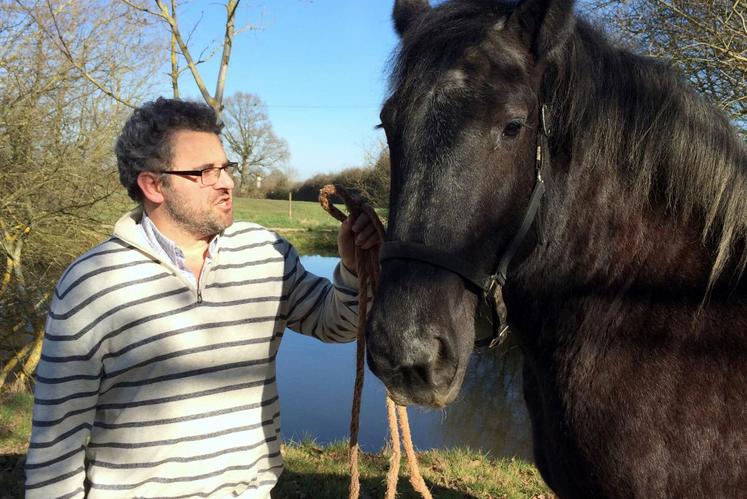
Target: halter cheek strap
{"x":492,"y":284}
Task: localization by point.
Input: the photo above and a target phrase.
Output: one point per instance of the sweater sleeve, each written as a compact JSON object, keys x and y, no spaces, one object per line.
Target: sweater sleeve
{"x":65,"y":397}
{"x":320,"y":308}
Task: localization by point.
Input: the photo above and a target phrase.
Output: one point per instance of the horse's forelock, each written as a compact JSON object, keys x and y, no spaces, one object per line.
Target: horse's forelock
{"x":439,"y":40}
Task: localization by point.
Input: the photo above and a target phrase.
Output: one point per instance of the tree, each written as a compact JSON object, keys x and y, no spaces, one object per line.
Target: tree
{"x":57,"y":126}
{"x":706,"y":41}
{"x":374,"y":184}
{"x":249,"y":134}
{"x":168,"y":14}
{"x":371,"y":181}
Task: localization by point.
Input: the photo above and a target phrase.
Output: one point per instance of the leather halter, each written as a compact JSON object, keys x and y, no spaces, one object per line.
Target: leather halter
{"x":491,"y":284}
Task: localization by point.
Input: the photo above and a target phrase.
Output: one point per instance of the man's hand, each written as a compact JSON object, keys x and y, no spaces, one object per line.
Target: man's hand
{"x":360,"y":232}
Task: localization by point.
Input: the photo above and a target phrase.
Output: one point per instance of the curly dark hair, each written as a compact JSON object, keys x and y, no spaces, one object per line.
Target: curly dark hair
{"x":144,"y":143}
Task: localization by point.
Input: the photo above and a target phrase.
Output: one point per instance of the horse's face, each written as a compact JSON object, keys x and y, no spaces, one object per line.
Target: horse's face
{"x":461,"y":126}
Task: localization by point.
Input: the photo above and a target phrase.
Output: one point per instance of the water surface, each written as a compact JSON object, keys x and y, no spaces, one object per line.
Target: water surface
{"x":315,"y":381}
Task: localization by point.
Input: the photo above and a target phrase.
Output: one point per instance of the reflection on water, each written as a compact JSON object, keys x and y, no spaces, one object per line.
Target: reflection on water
{"x":316,"y":389}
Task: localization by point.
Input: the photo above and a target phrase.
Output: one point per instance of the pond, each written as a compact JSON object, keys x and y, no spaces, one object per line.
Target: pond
{"x":315,"y":381}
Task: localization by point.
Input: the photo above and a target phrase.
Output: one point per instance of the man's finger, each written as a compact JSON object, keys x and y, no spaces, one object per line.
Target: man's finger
{"x":366,"y":233}
{"x":361,"y":222}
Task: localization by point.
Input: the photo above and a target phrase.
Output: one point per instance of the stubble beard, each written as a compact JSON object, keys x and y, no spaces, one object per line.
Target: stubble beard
{"x":200,"y":223}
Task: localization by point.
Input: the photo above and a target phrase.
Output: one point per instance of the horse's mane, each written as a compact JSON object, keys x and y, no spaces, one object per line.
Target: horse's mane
{"x":632,"y":114}
{"x":621,"y":112}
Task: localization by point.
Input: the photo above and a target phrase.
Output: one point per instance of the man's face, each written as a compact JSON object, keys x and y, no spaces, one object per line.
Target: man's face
{"x":198,"y":209}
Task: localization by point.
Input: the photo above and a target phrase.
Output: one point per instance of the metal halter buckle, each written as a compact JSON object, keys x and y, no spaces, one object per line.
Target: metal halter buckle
{"x":489,"y":288}
{"x":499,"y":338}
{"x":543,"y":120}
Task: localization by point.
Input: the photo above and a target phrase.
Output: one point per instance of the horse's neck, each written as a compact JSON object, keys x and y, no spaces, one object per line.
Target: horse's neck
{"x":607,"y":230}
{"x":609,"y":238}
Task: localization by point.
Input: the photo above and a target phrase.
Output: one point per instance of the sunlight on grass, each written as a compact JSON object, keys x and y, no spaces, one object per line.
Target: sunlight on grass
{"x":323,"y":472}
{"x":15,"y":421}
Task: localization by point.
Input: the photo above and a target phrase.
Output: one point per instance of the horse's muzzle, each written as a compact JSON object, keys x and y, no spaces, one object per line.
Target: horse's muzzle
{"x":419,"y":339}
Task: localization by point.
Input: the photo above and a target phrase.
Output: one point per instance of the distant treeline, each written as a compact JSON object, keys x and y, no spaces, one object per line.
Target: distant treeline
{"x":372,"y":182}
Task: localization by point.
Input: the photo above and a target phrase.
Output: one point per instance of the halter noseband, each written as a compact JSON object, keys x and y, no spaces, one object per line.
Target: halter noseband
{"x":492,"y":284}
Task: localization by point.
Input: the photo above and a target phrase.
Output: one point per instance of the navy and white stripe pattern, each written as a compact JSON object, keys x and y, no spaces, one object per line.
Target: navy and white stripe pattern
{"x":149,"y":387}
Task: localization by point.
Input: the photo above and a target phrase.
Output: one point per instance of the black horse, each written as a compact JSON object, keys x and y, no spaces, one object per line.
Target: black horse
{"x":627,"y":296}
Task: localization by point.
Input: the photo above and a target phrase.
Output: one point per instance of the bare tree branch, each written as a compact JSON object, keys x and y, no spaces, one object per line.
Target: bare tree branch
{"x":66,"y":51}
{"x":227,"y":44}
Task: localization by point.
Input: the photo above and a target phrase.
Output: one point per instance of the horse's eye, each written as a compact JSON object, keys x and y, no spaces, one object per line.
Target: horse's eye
{"x":512,"y":130}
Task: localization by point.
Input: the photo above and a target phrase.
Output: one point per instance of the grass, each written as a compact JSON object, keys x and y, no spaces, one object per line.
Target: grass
{"x":15,"y":421}
{"x":322,"y":472}
{"x":274,"y":214}
{"x":15,"y":428}
{"x":309,"y":228}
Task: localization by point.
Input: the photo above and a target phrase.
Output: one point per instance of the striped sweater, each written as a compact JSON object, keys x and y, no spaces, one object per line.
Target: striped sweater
{"x":151,"y":387}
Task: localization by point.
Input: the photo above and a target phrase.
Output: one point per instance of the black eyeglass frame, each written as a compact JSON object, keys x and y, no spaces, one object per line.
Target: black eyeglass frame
{"x":201,"y":173}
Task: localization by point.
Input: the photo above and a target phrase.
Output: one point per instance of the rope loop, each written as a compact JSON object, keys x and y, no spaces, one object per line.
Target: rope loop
{"x":367,"y":268}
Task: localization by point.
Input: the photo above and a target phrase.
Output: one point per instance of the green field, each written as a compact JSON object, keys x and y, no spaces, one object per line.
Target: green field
{"x":305,"y":224}
{"x":277,"y":214}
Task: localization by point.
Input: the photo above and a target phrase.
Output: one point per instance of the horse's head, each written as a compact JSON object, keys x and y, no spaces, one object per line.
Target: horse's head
{"x":462,"y":123}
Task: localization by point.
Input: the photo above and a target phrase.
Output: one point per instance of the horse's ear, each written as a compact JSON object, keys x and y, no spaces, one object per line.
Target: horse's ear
{"x":406,"y":11}
{"x":543,"y":24}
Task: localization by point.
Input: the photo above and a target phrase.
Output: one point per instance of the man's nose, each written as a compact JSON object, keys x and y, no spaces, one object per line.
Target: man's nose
{"x":225,"y":180}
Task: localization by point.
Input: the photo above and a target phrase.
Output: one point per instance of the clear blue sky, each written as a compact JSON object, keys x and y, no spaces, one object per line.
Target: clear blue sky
{"x":319,"y":66}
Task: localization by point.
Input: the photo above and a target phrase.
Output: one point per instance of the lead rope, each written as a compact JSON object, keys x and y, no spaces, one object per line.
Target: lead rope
{"x":367,"y":267}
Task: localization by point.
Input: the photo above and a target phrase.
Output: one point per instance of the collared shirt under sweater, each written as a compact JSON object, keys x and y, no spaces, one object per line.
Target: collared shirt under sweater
{"x":152,"y":385}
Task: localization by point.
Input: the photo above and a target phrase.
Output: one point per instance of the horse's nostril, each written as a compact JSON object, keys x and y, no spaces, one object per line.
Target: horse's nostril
{"x":443,"y":349}
{"x":378,"y":364}
{"x":445,"y":353}
{"x":423,"y":372}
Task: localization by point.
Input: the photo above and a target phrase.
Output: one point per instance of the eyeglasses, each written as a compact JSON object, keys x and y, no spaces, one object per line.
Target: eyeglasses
{"x":209,"y":175}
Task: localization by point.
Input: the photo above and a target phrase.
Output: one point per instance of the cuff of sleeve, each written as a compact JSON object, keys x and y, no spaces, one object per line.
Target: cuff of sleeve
{"x":343,"y":277}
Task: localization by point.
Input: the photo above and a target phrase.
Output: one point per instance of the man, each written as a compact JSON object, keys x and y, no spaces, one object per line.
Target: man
{"x":157,"y":376}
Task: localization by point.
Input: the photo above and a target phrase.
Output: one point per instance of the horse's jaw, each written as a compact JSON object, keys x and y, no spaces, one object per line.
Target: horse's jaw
{"x":418,"y":348}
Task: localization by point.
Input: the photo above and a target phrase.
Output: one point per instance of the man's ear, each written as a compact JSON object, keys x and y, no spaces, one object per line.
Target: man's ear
{"x":151,"y":186}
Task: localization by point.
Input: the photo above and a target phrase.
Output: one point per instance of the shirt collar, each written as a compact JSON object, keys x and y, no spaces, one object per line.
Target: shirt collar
{"x":166,"y":246}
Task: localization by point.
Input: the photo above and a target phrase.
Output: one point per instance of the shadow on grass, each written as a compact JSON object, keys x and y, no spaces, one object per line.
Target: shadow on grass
{"x":11,"y":476}
{"x":294,"y":485}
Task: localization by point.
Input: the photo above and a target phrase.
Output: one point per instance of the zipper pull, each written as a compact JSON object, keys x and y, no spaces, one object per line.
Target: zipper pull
{"x":199,"y":296}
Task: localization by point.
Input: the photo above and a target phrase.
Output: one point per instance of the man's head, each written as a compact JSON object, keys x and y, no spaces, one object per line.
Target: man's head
{"x":168,"y":136}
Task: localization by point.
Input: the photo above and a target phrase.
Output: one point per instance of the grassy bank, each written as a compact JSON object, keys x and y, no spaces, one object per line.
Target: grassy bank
{"x":275,"y":214}
{"x":306,"y":225}
{"x":321,"y":472}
